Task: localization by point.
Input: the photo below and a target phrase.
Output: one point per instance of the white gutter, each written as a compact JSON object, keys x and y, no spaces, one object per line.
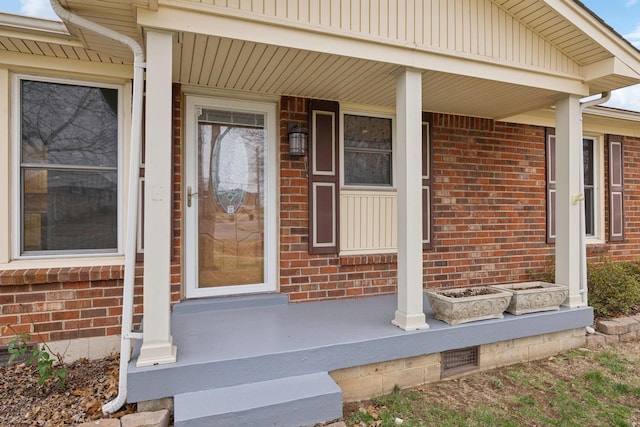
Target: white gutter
{"x":605,"y":96}
{"x":132,"y":201}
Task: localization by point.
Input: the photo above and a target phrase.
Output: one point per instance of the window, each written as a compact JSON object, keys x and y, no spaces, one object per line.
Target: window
{"x":367,"y":150}
{"x":592,"y":157}
{"x":68,"y":157}
{"x":590,"y":177}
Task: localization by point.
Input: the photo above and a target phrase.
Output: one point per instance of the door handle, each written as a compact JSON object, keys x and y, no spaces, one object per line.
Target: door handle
{"x":190,"y":195}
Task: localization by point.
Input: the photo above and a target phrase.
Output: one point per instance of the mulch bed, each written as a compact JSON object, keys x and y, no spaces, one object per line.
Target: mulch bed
{"x":91,"y":384}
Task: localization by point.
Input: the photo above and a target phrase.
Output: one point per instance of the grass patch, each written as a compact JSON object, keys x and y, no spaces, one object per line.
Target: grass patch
{"x":577,"y":388}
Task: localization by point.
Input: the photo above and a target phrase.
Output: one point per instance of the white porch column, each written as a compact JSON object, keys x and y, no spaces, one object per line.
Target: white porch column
{"x":568,"y":196}
{"x":409,"y":315}
{"x":157,"y":342}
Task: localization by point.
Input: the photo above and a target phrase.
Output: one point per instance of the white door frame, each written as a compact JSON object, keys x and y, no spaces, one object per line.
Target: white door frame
{"x":193,"y":106}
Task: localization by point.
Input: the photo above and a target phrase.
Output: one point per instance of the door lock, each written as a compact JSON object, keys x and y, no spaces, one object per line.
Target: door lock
{"x":190,"y":195}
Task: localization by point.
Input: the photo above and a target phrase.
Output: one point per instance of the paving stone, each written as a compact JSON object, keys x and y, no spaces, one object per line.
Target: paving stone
{"x":105,"y":422}
{"x":156,"y":405}
{"x":338,"y":424}
{"x":611,"y":327}
{"x":596,"y":340}
{"x":146,"y":419}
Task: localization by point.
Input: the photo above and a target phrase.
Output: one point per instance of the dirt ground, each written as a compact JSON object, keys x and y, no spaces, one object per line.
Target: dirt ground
{"x":93,"y":383}
{"x":496,"y":387}
{"x":90,"y":385}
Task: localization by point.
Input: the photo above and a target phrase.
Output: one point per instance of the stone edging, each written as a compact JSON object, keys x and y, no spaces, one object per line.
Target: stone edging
{"x":621,"y":329}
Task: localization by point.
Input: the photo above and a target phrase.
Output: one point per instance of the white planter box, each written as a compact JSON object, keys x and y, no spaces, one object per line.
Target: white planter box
{"x":462,"y":309}
{"x":529,"y":297}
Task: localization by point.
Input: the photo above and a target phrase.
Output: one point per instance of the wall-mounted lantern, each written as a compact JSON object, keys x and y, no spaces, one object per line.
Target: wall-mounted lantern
{"x":297,"y":141}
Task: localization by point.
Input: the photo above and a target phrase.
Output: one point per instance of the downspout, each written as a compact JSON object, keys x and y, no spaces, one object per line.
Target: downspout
{"x":132,"y":202}
{"x":605,"y":96}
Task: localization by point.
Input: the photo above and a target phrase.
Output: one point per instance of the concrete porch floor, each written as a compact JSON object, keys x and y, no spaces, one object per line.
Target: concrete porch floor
{"x":225,"y":342}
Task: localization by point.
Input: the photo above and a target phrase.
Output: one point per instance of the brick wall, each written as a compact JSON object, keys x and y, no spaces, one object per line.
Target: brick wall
{"x":489,"y":202}
{"x":629,"y":249}
{"x":63,"y":303}
{"x":489,"y":213}
{"x":311,"y":277}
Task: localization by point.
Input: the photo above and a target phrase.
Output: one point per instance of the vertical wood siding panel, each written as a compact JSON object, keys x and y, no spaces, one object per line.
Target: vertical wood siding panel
{"x":488,"y":29}
{"x":508,"y":43}
{"x":495,"y":31}
{"x":325,"y":14}
{"x":257,"y":6}
{"x":269,"y":8}
{"x":435,"y":23}
{"x":336,"y":14}
{"x":466,"y":25}
{"x":393,"y":20}
{"x":368,"y":221}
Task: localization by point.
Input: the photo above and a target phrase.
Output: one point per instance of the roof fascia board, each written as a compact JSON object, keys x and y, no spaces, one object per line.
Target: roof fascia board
{"x":233,"y":27}
{"x":45,"y":38}
{"x":100,"y":70}
{"x":596,"y":120}
{"x":27,"y":23}
{"x":608,"y":67}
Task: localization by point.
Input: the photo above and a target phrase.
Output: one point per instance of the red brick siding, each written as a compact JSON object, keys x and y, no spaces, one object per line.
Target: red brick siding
{"x":63,"y":303}
{"x":489,"y":202}
{"x":489,"y":214}
{"x":629,"y":249}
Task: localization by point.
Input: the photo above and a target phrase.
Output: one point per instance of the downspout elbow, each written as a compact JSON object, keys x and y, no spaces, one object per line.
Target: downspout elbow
{"x":604,"y":97}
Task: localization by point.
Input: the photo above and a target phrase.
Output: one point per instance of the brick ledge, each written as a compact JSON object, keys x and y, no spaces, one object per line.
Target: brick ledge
{"x":368,"y":259}
{"x":38,"y":276}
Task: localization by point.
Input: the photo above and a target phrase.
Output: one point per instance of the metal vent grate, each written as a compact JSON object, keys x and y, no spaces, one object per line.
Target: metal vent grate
{"x":455,"y":362}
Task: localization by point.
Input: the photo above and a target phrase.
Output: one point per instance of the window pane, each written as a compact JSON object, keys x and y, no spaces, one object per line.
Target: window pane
{"x":367,"y":132}
{"x":67,"y":124}
{"x":589,"y":223}
{"x":367,"y":168}
{"x":587,"y":153}
{"x":69,"y":210}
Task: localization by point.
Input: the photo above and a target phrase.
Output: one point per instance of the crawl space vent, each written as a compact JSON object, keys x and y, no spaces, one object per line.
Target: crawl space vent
{"x":455,"y":362}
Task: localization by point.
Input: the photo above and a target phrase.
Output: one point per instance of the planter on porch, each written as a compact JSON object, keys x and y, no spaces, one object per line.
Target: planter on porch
{"x":529,"y":297}
{"x":461,"y":305}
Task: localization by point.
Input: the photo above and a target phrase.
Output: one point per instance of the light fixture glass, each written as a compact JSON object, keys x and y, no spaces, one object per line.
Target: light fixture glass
{"x":297,"y":141}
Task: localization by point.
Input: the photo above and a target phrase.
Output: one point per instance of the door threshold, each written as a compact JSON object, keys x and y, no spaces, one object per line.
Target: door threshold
{"x":230,"y":302}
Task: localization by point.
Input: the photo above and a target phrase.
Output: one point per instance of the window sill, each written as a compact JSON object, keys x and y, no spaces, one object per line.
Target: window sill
{"x":379,"y":258}
{"x":32,"y":272}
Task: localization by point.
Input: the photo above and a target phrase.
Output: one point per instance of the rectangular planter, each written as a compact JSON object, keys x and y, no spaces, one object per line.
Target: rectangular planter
{"x":491,"y":304}
{"x":529,"y":297}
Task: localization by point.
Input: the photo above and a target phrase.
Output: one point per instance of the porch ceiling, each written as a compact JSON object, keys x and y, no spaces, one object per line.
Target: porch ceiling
{"x":220,"y":63}
{"x":585,"y":52}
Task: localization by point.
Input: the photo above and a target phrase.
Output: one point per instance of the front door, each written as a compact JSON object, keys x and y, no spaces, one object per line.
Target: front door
{"x":229,"y":197}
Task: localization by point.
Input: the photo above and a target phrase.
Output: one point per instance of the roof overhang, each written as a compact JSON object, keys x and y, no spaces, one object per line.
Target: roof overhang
{"x":231,"y":49}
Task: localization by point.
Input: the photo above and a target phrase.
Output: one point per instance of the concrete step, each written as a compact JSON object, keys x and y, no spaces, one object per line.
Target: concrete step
{"x":293,"y":401}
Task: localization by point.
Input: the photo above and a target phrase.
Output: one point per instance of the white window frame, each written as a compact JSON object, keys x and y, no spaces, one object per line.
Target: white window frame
{"x":599,"y":190}
{"x":16,"y":208}
{"x":368,"y":113}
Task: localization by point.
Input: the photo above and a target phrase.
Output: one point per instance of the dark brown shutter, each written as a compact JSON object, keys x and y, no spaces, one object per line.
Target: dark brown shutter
{"x":616,"y":188}
{"x":323,"y":177}
{"x":550,"y":137}
{"x":427,"y":211}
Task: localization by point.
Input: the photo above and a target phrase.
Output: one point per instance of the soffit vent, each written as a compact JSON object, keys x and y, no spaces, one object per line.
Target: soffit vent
{"x":461,"y":360}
